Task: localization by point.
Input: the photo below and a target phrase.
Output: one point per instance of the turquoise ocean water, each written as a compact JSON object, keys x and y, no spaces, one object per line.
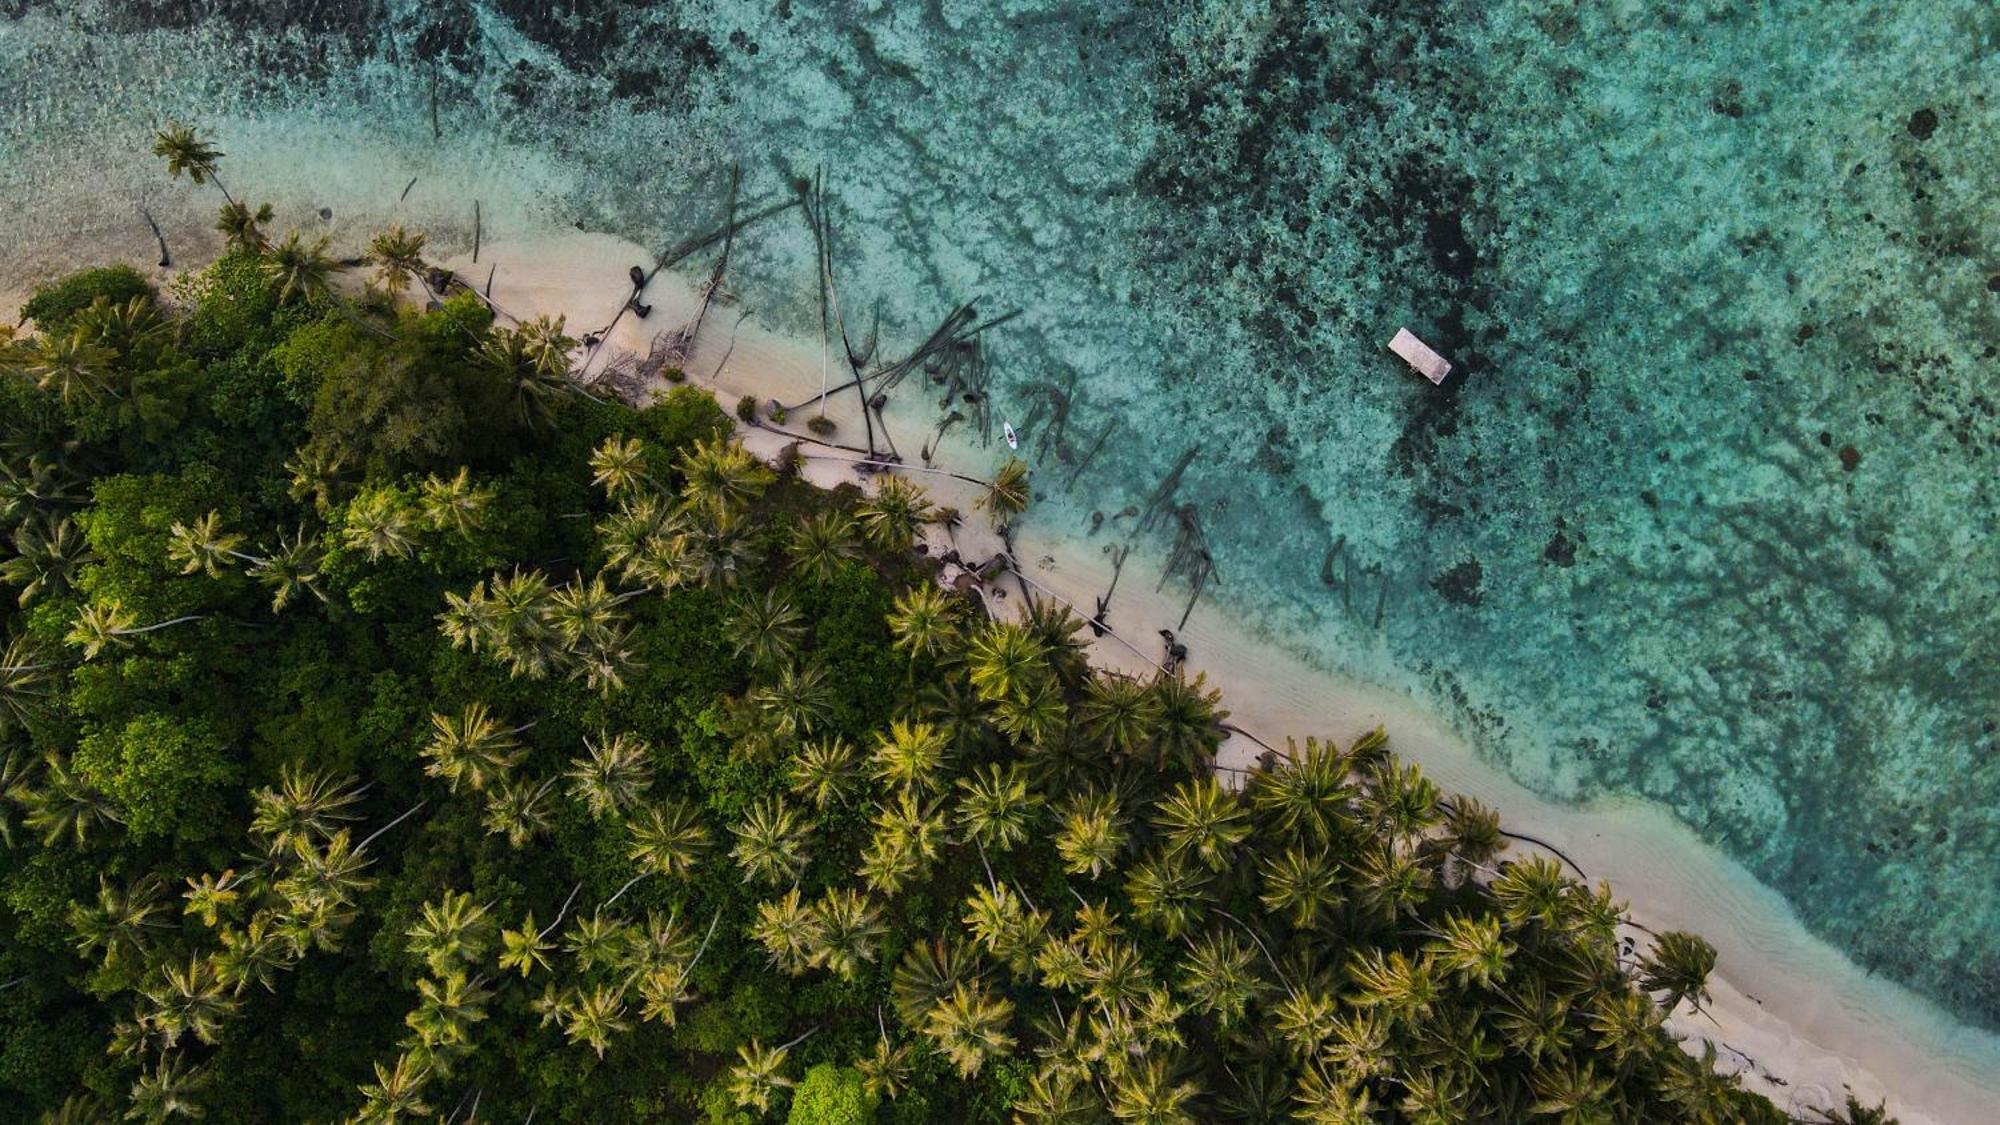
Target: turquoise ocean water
{"x":1710,"y":520}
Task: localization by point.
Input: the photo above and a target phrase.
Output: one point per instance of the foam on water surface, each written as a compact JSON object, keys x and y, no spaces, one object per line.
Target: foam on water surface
{"x":1709,"y":519}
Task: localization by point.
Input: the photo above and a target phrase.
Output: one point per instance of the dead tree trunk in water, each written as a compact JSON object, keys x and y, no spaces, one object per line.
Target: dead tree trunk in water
{"x":681,"y":345}
{"x":165,"y":262}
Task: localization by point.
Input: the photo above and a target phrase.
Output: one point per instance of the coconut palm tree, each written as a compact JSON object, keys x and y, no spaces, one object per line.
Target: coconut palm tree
{"x":1091,"y":834}
{"x":1678,"y":965}
{"x":290,"y":566}
{"x":317,"y":474}
{"x":825,"y":772}
{"x":926,"y":974}
{"x":210,"y":897}
{"x":171,"y":1089}
{"x":243,"y":228}
{"x":525,"y":949}
{"x":307,"y":806}
{"x":49,"y":552}
{"x":886,"y":1072}
{"x":117,"y":923}
{"x":1169,"y":890}
{"x":453,"y":503}
{"x":598,"y":940}
{"x":252,"y":954}
{"x":822,"y":543}
{"x":396,"y":1093}
{"x":771,"y":841}
{"x":534,"y":361}
{"x":894,"y":513}
{"x":789,"y":932}
{"x":1057,"y":1094}
{"x":398,"y":257}
{"x":969,"y":1026}
{"x":473,"y":747}
{"x":1219,"y":977}
{"x":447,"y":1008}
{"x":1389,"y":884}
{"x":1303,"y":885}
{"x":204,"y":547}
{"x":798,"y":702}
{"x":301,"y":269}
{"x":618,"y":466}
{"x":924,"y":621}
{"x":911,"y":755}
{"x":756,"y":1077}
{"x":63,"y":804}
{"x":518,"y":810}
{"x":379,"y":522}
{"x":766,"y":630}
{"x":1471,"y":950}
{"x":1004,"y":658}
{"x":1400,"y":803}
{"x":611,"y":775}
{"x":1118,"y":712}
{"x":997,"y":807}
{"x":1533,"y":892}
{"x":721,"y":475}
{"x":1307,"y":796}
{"x":593,"y":1016}
{"x":71,"y":366}
{"x":1152,"y":1091}
{"x":1190,"y":722}
{"x":1002,"y":924}
{"x":850,"y":927}
{"x":1203,"y":821}
{"x":1007,"y":496}
{"x":451,"y":934}
{"x":187,"y":1000}
{"x":187,"y":153}
{"x":668,"y":839}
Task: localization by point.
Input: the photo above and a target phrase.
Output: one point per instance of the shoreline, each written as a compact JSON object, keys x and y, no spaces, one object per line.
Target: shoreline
{"x":1800,"y":1019}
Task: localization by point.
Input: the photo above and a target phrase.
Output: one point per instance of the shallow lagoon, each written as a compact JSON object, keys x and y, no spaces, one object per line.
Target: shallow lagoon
{"x":1709,"y":519}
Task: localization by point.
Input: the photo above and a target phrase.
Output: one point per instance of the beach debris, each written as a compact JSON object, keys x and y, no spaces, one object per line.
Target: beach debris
{"x":1190,"y":558}
{"x":1420,"y":356}
{"x":638,"y":276}
{"x":476,"y":230}
{"x":164,"y":261}
{"x":406,"y":189}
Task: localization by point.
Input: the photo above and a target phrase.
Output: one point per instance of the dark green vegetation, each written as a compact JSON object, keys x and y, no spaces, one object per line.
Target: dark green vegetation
{"x":390,"y":730}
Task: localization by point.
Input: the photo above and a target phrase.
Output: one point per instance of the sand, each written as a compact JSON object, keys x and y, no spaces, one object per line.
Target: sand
{"x":1802,"y":1023}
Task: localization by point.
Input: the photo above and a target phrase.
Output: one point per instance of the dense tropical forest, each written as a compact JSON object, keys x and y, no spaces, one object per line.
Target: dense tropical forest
{"x":394,"y":730}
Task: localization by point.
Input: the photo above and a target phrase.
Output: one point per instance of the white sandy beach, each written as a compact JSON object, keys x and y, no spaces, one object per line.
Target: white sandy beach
{"x":1801,"y":1020}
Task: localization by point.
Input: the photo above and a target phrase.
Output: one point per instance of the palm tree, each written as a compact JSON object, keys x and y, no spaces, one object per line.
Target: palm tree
{"x":453,"y":503}
{"x":668,"y":839}
{"x":1168,"y":891}
{"x":525,"y":950}
{"x":1573,"y":1091}
{"x":243,"y":228}
{"x":210,"y":896}
{"x":70,"y":366}
{"x":1150,"y":1093}
{"x":1388,"y":883}
{"x":997,"y":806}
{"x":396,"y":1092}
{"x":1057,"y":1094}
{"x":1120,"y":712}
{"x":49,"y":552}
{"x":63,"y":804}
{"x":398,"y":256}
{"x":598,"y":940}
{"x":379,"y":522}
{"x":910,"y":755}
{"x":771,"y":841}
{"x":618,"y":466}
{"x":721,"y":475}
{"x":1533,"y":892}
{"x":1678,"y":965}
{"x":970,"y":1025}
{"x":611,"y":775}
{"x":798,"y":702}
{"x":1091,"y":834}
{"x":1219,"y":978}
{"x":593,"y":1016}
{"x":849,"y":929}
{"x":446,"y":1009}
{"x":789,"y":932}
{"x":192,"y":999}
{"x":825,"y":771}
{"x":118,"y":922}
{"x":927,"y":973}
{"x":307,"y":806}
{"x":1854,"y":1113}
{"x":924,"y":621}
{"x":186,"y":152}
{"x":168,"y":1090}
{"x":300,"y":268}
{"x":886,"y":1072}
{"x":252,"y":954}
{"x":1305,"y":799}
{"x":767,"y":630}
{"x":203,"y":546}
{"x":1203,"y":820}
{"x":821,"y":543}
{"x":1004,"y":926}
{"x":892,"y":516}
{"x":1301,"y":884}
{"x":1008,"y":495}
{"x":1401,"y":803}
{"x":1190,"y":723}
{"x":755,"y":1079}
{"x":290,"y":566}
{"x":518,"y":810}
{"x":472,"y":746}
{"x":319,"y":474}
{"x":1471,"y":950}
{"x":1004,"y":658}
{"x":534,"y":360}
{"x":452,"y":933}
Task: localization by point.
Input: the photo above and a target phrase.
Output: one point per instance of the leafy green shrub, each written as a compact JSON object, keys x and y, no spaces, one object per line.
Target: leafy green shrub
{"x":832,"y":1095}
{"x":52,"y":305}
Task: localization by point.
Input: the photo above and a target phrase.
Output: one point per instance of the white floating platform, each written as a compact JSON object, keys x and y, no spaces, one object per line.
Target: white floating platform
{"x":1419,"y":355}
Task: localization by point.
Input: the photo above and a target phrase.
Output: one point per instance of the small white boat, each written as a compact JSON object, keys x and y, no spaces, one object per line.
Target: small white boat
{"x":1013,"y":439}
